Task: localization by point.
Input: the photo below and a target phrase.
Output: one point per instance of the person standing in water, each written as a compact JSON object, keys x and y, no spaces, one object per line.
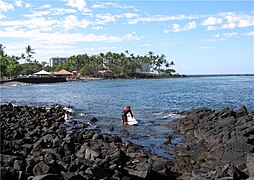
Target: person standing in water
{"x":126,"y":110}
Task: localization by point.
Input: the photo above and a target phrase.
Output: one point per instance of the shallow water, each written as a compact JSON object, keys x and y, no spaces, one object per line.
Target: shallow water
{"x":153,"y":101}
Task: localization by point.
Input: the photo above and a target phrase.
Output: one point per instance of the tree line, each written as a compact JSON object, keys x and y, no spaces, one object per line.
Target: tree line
{"x":112,"y":64}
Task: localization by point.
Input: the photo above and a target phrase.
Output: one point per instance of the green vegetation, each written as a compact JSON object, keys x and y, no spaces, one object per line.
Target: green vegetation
{"x":112,"y":65}
{"x":10,"y":66}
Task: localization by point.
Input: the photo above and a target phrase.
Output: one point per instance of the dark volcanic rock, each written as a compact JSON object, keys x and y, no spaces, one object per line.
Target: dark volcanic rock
{"x":35,"y":145}
{"x":223,"y":138}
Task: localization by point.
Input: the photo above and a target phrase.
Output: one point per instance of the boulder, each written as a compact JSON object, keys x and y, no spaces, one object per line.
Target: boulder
{"x":96,"y":172}
{"x":250,"y":165}
{"x":91,"y":154}
{"x":141,"y":168}
{"x":72,"y":176}
{"x":160,"y":167}
{"x":8,"y":173}
{"x":41,"y":168}
{"x":19,"y":165}
{"x":47,"y":177}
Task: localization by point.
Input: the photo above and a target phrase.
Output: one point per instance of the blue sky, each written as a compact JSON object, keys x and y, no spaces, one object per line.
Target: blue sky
{"x":201,"y":37}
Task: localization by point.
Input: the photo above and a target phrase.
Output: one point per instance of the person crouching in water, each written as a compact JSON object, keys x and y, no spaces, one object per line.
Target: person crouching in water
{"x":126,"y":110}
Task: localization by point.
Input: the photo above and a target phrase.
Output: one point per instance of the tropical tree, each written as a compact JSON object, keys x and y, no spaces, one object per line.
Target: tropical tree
{"x":47,"y":68}
{"x":160,"y":61}
{"x":2,"y":50}
{"x":118,"y":64}
{"x":29,"y":52}
{"x":172,"y":63}
{"x":44,"y":63}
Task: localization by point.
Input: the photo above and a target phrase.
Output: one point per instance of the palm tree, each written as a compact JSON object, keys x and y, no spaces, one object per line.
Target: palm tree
{"x":29,"y":52}
{"x":126,"y":51}
{"x":160,"y":61}
{"x":1,"y":50}
{"x":172,"y":63}
{"x":22,"y":57}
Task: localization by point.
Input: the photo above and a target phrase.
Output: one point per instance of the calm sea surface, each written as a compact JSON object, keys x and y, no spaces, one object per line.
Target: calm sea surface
{"x":153,"y":101}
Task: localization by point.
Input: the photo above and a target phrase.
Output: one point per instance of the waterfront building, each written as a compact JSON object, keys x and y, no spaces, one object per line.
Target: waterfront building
{"x":56,"y":61}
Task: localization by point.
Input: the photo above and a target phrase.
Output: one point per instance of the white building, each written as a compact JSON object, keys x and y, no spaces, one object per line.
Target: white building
{"x":56,"y":61}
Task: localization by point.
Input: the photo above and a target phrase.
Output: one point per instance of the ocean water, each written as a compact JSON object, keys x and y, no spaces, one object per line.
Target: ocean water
{"x":155,"y":102}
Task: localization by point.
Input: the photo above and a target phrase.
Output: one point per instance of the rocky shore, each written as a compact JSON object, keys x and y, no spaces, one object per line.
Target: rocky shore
{"x":35,"y":145}
{"x":218,"y":144}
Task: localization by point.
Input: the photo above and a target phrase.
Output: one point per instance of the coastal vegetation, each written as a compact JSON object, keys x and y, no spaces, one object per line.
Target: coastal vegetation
{"x":110,"y":64}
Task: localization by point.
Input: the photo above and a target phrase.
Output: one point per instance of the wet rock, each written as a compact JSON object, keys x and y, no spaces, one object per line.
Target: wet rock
{"x":161,"y":168}
{"x":242,"y":111}
{"x":72,"y":176}
{"x":8,"y":173}
{"x":41,"y":168}
{"x":19,"y":165}
{"x":96,"y":172}
{"x":250,"y":164}
{"x":223,"y":137}
{"x":111,"y":128}
{"x":8,"y":160}
{"x":47,"y":177}
{"x":91,"y":154}
{"x":93,"y":120}
{"x":117,"y":157}
{"x":141,"y":168}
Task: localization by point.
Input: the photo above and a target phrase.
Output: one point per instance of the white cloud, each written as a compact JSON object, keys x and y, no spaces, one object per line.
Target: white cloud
{"x":216,"y":35}
{"x":45,"y":6}
{"x":62,"y":11}
{"x":231,"y":17}
{"x":103,"y":5}
{"x":130,"y":15}
{"x":251,"y":34}
{"x":229,"y":26}
{"x":246,"y":22}
{"x":79,"y":4}
{"x":64,"y":38}
{"x":97,"y":27}
{"x":221,"y":37}
{"x":28,"y":5}
{"x":38,"y":23}
{"x":2,"y":16}
{"x":161,"y":18}
{"x":6,"y":6}
{"x":97,"y":6}
{"x":211,"y":28}
{"x":38,"y":14}
{"x":212,"y":21}
{"x":72,"y":21}
{"x":229,"y":20}
{"x":229,"y":35}
{"x":18,"y":3}
{"x":105,"y":18}
{"x":144,"y":45}
{"x":177,"y":27}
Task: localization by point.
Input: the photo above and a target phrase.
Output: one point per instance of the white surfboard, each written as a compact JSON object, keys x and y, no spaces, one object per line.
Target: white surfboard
{"x":131,"y":120}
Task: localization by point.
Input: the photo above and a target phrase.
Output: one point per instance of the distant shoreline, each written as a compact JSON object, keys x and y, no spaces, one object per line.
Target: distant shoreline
{"x":15,"y":81}
{"x":217,"y":75}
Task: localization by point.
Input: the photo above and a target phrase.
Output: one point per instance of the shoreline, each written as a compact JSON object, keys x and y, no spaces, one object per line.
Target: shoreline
{"x":35,"y":143}
{"x":218,"y":144}
{"x":6,"y":81}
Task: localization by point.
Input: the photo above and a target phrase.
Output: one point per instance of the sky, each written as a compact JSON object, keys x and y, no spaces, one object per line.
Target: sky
{"x":200,"y":37}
